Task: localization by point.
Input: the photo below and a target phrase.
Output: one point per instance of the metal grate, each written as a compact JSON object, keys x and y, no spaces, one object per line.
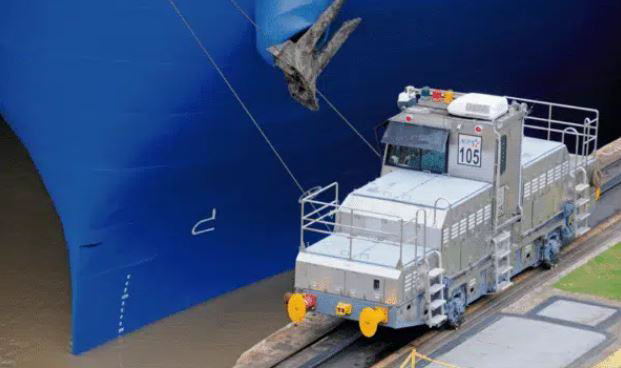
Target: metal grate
{"x":471,"y":221}
{"x":527,"y":189}
{"x":462,"y":226}
{"x":487,"y":212}
{"x":455,"y":230}
{"x":542,"y":181}
{"x":445,"y":235}
{"x":550,"y":176}
{"x":479,"y":216}
{"x":557,"y":172}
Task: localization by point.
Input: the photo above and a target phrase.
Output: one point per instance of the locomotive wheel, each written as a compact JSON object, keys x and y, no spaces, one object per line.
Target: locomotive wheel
{"x":455,"y":313}
{"x":550,"y":254}
{"x":456,"y":322}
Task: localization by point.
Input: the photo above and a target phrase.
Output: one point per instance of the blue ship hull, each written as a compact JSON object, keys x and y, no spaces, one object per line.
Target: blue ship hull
{"x":138,"y":139}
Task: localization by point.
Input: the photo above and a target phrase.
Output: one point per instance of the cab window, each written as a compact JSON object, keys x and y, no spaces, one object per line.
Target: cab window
{"x":416,"y":159}
{"x":416,"y":147}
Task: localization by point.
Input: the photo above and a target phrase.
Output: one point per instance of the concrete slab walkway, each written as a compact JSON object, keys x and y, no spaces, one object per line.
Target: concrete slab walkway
{"x":518,"y":342}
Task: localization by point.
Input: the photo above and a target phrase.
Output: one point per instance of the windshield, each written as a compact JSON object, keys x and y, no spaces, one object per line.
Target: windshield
{"x":416,"y":147}
{"x":416,"y":159}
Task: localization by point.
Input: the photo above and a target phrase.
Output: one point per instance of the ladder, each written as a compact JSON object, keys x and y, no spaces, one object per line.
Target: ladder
{"x":581,"y":211}
{"x":502,"y":261}
{"x":434,"y":291}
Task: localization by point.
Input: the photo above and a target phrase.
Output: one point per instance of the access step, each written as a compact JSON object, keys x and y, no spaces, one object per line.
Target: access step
{"x":436,"y":304}
{"x":505,"y":270}
{"x":436,"y":320}
{"x":435,"y":288}
{"x":582,"y":230}
{"x":503,"y":286}
{"x":502,"y":254}
{"x":435,"y":272}
{"x":582,"y":201}
{"x":583,"y":216}
{"x":582,"y":187}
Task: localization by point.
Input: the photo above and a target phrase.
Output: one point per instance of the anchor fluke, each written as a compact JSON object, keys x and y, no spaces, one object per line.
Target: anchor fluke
{"x":302,"y":62}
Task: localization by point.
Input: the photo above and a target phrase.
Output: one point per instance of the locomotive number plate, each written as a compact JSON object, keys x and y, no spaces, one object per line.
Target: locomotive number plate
{"x":469,"y":150}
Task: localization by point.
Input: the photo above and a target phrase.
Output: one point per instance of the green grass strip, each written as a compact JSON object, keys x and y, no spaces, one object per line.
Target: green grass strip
{"x":601,"y":276}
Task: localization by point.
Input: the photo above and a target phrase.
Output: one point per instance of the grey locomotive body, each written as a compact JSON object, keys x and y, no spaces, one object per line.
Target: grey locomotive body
{"x":464,"y":202}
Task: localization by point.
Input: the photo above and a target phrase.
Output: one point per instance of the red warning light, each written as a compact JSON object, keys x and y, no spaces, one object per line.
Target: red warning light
{"x":408,"y":118}
{"x":478,"y":129}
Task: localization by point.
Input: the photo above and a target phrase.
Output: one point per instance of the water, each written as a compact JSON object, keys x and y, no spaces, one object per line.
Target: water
{"x":35,"y":306}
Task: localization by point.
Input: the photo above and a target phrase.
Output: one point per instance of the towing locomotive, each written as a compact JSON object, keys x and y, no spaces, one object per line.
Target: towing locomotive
{"x":473,"y":189}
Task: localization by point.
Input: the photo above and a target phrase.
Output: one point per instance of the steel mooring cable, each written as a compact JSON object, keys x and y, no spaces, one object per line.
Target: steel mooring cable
{"x":235,"y":94}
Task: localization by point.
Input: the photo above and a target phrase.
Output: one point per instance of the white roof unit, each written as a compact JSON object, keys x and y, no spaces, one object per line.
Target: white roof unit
{"x":479,"y":106}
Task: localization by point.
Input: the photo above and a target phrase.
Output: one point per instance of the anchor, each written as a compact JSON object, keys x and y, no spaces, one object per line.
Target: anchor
{"x":302,"y":62}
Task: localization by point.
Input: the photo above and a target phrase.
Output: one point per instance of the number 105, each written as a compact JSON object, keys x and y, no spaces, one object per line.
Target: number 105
{"x":469,"y":156}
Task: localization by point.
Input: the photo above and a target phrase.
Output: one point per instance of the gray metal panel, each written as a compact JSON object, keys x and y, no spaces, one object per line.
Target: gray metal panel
{"x":368,"y":251}
{"x":348,"y":278}
{"x":420,"y":188}
{"x":417,"y":136}
{"x":543,"y":180}
{"x":535,"y":149}
{"x":508,"y":158}
{"x":468,"y":228}
{"x":485,"y":171}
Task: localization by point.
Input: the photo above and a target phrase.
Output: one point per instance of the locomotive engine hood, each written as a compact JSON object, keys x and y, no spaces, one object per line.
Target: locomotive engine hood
{"x":406,"y":193}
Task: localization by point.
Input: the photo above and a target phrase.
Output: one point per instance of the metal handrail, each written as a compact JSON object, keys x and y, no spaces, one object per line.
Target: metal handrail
{"x":323,"y":210}
{"x":588,"y":128}
{"x":555,"y":104}
{"x":573,"y":131}
{"x":435,"y":207}
{"x":378,"y":214}
{"x":585,"y":132}
{"x":315,"y":191}
{"x":349,"y":227}
{"x":317,"y":210}
{"x":424,"y":232}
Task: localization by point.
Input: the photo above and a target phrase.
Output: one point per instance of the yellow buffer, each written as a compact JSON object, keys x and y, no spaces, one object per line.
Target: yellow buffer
{"x":370,"y":318}
{"x":343,"y":309}
{"x":296,"y":308}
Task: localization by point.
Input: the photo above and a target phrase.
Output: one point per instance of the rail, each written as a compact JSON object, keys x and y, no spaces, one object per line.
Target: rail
{"x":326,"y":216}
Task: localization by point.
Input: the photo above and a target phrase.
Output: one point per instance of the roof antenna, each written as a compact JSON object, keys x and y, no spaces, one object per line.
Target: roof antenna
{"x":302,"y":62}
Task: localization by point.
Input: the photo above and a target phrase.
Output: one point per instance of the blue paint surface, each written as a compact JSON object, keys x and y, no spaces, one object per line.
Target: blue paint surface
{"x":137,"y":138}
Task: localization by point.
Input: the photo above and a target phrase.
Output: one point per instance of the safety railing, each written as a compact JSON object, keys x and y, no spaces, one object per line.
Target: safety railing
{"x":554,"y":121}
{"x":550,"y":121}
{"x":328,"y":217}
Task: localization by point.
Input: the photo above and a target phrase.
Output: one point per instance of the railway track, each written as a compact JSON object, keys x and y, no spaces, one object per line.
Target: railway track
{"x":323,"y":349}
{"x":345,"y":347}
